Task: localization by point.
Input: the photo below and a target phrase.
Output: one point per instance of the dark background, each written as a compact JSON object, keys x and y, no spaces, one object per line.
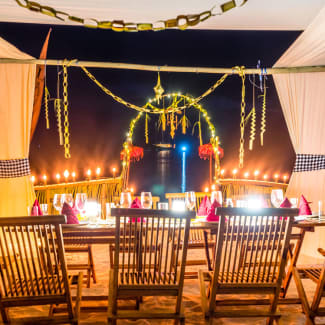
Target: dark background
{"x":98,"y":124}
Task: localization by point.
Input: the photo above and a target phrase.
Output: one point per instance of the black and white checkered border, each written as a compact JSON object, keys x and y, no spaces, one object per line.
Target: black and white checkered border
{"x":14,"y":168}
{"x":308,"y":162}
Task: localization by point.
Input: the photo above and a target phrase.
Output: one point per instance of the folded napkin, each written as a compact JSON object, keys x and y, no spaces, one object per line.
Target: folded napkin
{"x":36,"y":204}
{"x":204,"y":207}
{"x":286,"y":203}
{"x":304,"y":208}
{"x":70,"y":213}
{"x":136,"y":204}
{"x":212,"y":217}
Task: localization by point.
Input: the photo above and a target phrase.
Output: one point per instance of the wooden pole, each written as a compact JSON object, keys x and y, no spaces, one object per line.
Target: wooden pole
{"x":165,"y":68}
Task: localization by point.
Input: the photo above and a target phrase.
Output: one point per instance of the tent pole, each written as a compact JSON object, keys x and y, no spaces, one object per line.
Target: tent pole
{"x":165,"y":68}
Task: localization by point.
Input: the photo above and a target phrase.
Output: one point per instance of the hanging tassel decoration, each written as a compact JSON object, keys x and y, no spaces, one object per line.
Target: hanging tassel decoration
{"x":66,"y":113}
{"x":146,"y":131}
{"x":46,"y":103}
{"x":184,"y":123}
{"x":159,"y":90}
{"x":253,"y":120}
{"x":172,"y":125}
{"x":242,"y":117}
{"x":200,"y":130}
{"x":57,"y":108}
{"x":263,"y":118}
{"x":163,"y":121}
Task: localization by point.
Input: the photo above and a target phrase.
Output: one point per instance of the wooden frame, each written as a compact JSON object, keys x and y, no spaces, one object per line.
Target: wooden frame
{"x":316,"y":274}
{"x":149,"y":260}
{"x":250,"y":258}
{"x":33,"y":269}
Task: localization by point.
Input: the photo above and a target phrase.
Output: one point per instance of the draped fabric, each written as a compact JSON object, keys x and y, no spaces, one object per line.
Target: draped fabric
{"x":16,"y":105}
{"x":302,"y":97}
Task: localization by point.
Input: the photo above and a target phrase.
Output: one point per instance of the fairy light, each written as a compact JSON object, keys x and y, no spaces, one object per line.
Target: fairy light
{"x":66,"y":174}
{"x":256,"y":173}
{"x":98,"y":171}
{"x":114,"y":171}
{"x":265,"y":177}
{"x":276,"y":176}
{"x":58,"y":176}
{"x":44,"y":179}
{"x":132,"y":190}
{"x":89,"y":173}
{"x":222,"y":173}
{"x":73,"y":174}
{"x":246,"y":175}
{"x":206,"y":190}
{"x":285,"y":177}
{"x":213,"y":187}
{"x":234,"y":172}
{"x":32,"y":178}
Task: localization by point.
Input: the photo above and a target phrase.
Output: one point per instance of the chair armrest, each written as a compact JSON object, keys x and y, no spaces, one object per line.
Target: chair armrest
{"x":321,"y":251}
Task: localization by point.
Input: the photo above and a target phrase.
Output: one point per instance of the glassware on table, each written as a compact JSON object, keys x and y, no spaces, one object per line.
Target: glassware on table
{"x":44,"y":209}
{"x":58,"y":201}
{"x":80,"y":203}
{"x":229,"y":203}
{"x":216,"y":196}
{"x":146,"y":200}
{"x":125,"y":200}
{"x":294,"y":202}
{"x":163,"y":206}
{"x":109,"y":217}
{"x":68,"y":199}
{"x":93,"y":211}
{"x":190,"y":200}
{"x":277,"y":197}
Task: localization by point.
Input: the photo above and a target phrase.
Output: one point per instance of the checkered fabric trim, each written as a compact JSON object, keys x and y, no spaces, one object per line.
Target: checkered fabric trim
{"x":14,"y":168}
{"x":305,"y":162}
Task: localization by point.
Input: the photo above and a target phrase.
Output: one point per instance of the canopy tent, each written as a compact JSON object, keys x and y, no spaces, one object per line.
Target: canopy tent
{"x":17,"y":95}
{"x":254,"y":15}
{"x":302,"y":98}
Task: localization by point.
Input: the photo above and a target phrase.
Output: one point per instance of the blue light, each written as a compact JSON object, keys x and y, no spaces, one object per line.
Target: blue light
{"x":184,"y":148}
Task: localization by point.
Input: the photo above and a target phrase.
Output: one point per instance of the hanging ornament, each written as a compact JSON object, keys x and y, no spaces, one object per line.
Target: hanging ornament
{"x":172,"y":125}
{"x":133,"y":153}
{"x":146,"y":130}
{"x":263,"y":118}
{"x":46,"y":102}
{"x":253,"y":120}
{"x":159,"y":90}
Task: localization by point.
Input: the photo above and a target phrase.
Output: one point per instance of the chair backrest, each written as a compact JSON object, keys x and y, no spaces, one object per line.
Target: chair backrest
{"x":32,"y":261}
{"x":150,"y":246}
{"x":251,"y":246}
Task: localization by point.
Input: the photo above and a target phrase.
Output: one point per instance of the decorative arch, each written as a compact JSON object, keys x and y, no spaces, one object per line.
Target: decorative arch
{"x":129,"y":150}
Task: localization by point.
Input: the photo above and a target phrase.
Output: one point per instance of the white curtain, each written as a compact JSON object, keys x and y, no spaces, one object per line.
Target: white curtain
{"x":17,"y":84}
{"x":302,"y":97}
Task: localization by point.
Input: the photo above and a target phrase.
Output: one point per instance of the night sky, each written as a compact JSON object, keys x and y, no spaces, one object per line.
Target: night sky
{"x":99,"y":124}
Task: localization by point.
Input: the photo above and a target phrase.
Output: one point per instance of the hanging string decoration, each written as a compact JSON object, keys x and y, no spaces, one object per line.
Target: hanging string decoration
{"x":66,"y":113}
{"x":172,"y":125}
{"x":263,"y":117}
{"x":181,"y":21}
{"x":253,"y":119}
{"x":46,"y":104}
{"x":242,"y":119}
{"x":57,"y":108}
{"x":146,"y":132}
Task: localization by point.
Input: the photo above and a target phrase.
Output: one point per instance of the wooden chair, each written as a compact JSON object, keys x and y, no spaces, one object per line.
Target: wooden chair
{"x":33,"y":268}
{"x":258,"y":269}
{"x":316,"y":274}
{"x":146,"y":256}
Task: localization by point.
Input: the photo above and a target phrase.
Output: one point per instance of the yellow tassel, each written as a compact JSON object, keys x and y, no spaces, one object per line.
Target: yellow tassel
{"x":46,"y":102}
{"x":146,"y":130}
{"x":172,"y":125}
{"x":200,"y":131}
{"x":184,"y":124}
{"x":263,"y":118}
{"x":163,"y":121}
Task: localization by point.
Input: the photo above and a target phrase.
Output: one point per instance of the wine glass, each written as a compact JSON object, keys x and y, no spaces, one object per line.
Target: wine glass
{"x":277,"y":197}
{"x":58,"y":200}
{"x":216,"y":196}
{"x":146,"y":200}
{"x":294,"y":202}
{"x":44,"y":209}
{"x":190,"y":200}
{"x":68,"y":199}
{"x":80,"y":201}
{"x":125,"y":200}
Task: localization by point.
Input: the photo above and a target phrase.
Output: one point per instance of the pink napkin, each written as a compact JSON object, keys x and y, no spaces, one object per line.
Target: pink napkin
{"x":286,"y":203}
{"x":136,"y":204}
{"x":204,"y":206}
{"x":211,"y":212}
{"x":304,"y":208}
{"x":36,"y":204}
{"x":70,"y":213}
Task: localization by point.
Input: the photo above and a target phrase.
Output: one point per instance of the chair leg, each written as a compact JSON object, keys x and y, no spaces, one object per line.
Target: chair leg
{"x":4,"y":315}
{"x":91,"y":262}
{"x":78,"y":299}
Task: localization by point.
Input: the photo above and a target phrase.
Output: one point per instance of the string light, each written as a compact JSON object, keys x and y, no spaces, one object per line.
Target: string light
{"x":246,"y":175}
{"x":98,"y":171}
{"x":276,"y":176}
{"x":132,"y":190}
{"x":73,"y":174}
{"x":44,"y":179}
{"x":213,"y":187}
{"x":57,"y":176}
{"x":256,"y":173}
{"x":234,"y":172}
{"x":222,"y":173}
{"x":265,"y":177}
{"x":89,"y":173}
{"x":114,"y":171}
{"x":66,"y":174}
{"x":285,"y":178}
{"x":206,"y":190}
{"x":32,"y":178}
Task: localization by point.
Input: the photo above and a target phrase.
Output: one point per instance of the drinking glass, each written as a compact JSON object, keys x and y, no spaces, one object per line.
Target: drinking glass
{"x":146,"y":200}
{"x":229,"y":203}
{"x":68,"y":199}
{"x":277,"y":197}
{"x":125,"y":200}
{"x":162,"y":206}
{"x":58,"y":200}
{"x":294,"y":202}
{"x":44,"y":209}
{"x":190,"y":200}
{"x":216,"y":196}
{"x":80,"y":202}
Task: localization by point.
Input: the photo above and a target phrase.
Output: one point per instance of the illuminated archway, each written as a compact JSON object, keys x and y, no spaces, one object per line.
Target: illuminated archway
{"x":175,"y":100}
